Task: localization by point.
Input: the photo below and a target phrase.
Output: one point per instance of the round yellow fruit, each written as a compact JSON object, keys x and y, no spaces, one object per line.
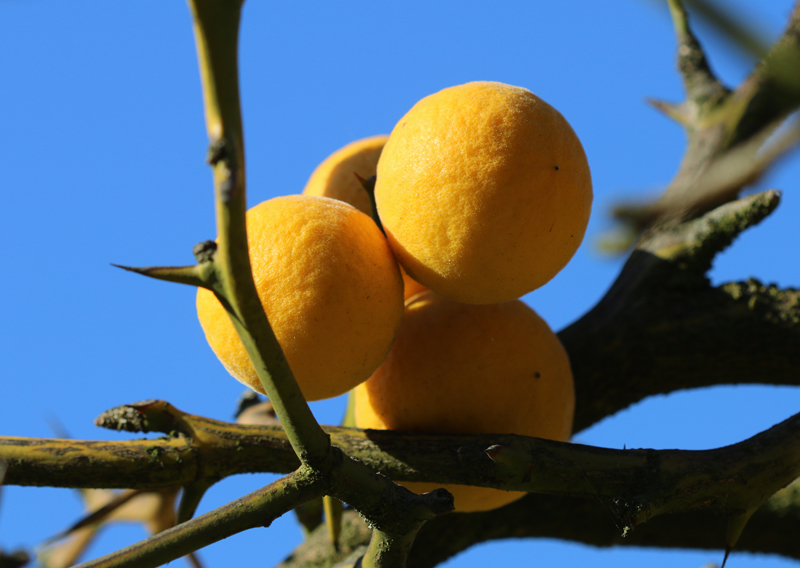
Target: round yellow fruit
{"x":331,"y":290}
{"x":471,"y":369}
{"x":484,"y":192}
{"x":335,"y":177}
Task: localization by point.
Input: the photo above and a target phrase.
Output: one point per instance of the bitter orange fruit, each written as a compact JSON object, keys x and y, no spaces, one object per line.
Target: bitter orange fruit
{"x":470,"y":369}
{"x":331,"y":290}
{"x":484,"y":192}
{"x":336,"y":177}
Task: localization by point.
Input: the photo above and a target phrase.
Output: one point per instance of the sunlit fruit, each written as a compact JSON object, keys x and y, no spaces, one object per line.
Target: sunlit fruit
{"x":331,"y":290}
{"x":484,"y":192}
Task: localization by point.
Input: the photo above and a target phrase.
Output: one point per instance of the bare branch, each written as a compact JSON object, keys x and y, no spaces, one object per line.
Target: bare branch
{"x":256,"y":509}
{"x":588,"y":521}
{"x":642,"y":483}
{"x":662,"y":327}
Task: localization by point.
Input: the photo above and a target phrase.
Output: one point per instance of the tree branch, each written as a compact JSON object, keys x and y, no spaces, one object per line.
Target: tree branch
{"x":726,"y":129}
{"x":662,"y":327}
{"x":257,"y":509}
{"x":643,"y":483}
{"x":771,"y":530}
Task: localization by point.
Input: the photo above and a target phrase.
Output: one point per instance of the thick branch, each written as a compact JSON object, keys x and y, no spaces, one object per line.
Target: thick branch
{"x":643,"y":483}
{"x":589,"y":521}
{"x":662,"y":327}
{"x":103,"y":465}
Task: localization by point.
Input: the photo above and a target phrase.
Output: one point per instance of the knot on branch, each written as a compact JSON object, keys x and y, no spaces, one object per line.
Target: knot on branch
{"x":124,"y":418}
{"x":222,"y":156}
{"x":145,"y":416}
{"x":205,"y":251}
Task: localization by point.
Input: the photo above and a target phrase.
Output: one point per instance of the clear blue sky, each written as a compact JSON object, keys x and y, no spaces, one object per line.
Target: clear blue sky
{"x":102,"y":153}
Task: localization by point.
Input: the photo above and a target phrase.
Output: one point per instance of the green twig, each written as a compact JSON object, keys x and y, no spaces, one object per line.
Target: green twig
{"x":257,"y":509}
{"x":740,"y":33}
{"x":216,"y":24}
{"x":701,"y":84}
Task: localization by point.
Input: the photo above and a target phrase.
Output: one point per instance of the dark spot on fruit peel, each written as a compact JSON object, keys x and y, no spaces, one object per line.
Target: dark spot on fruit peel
{"x":556,"y":167}
{"x":538,"y":375}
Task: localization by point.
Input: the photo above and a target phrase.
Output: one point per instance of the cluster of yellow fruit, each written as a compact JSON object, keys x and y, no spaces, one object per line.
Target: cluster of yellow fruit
{"x":484,"y":194}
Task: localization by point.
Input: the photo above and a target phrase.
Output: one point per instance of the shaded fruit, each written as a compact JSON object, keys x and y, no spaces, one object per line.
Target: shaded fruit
{"x":470,"y":369}
{"x":336,"y":177}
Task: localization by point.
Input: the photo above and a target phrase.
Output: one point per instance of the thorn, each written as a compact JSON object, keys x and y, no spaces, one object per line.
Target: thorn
{"x":725,"y":559}
{"x":190,"y":275}
{"x":57,"y":427}
{"x":190,"y":499}
{"x":494,"y":451}
{"x":506,"y":455}
{"x":676,"y":112}
{"x":735,"y":527}
{"x":367,"y":183}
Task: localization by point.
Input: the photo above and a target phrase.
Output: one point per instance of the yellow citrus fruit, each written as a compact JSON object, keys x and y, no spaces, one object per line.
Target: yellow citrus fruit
{"x":470,"y":369}
{"x":484,"y":192}
{"x":331,"y":290}
{"x":335,"y":177}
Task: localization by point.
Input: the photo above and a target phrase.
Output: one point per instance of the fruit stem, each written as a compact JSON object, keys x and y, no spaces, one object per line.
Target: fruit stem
{"x":369,"y":186}
{"x":216,"y":27}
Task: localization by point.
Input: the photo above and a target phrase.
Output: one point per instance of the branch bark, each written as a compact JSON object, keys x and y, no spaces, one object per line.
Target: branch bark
{"x":587,"y":521}
{"x":641,"y":483}
{"x":662,"y":327}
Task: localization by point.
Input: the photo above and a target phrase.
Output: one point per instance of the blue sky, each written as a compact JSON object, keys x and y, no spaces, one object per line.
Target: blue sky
{"x":102,"y":157}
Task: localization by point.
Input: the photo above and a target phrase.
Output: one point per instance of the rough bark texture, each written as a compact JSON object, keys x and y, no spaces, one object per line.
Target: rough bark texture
{"x":661,"y":327}
{"x":588,"y":521}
